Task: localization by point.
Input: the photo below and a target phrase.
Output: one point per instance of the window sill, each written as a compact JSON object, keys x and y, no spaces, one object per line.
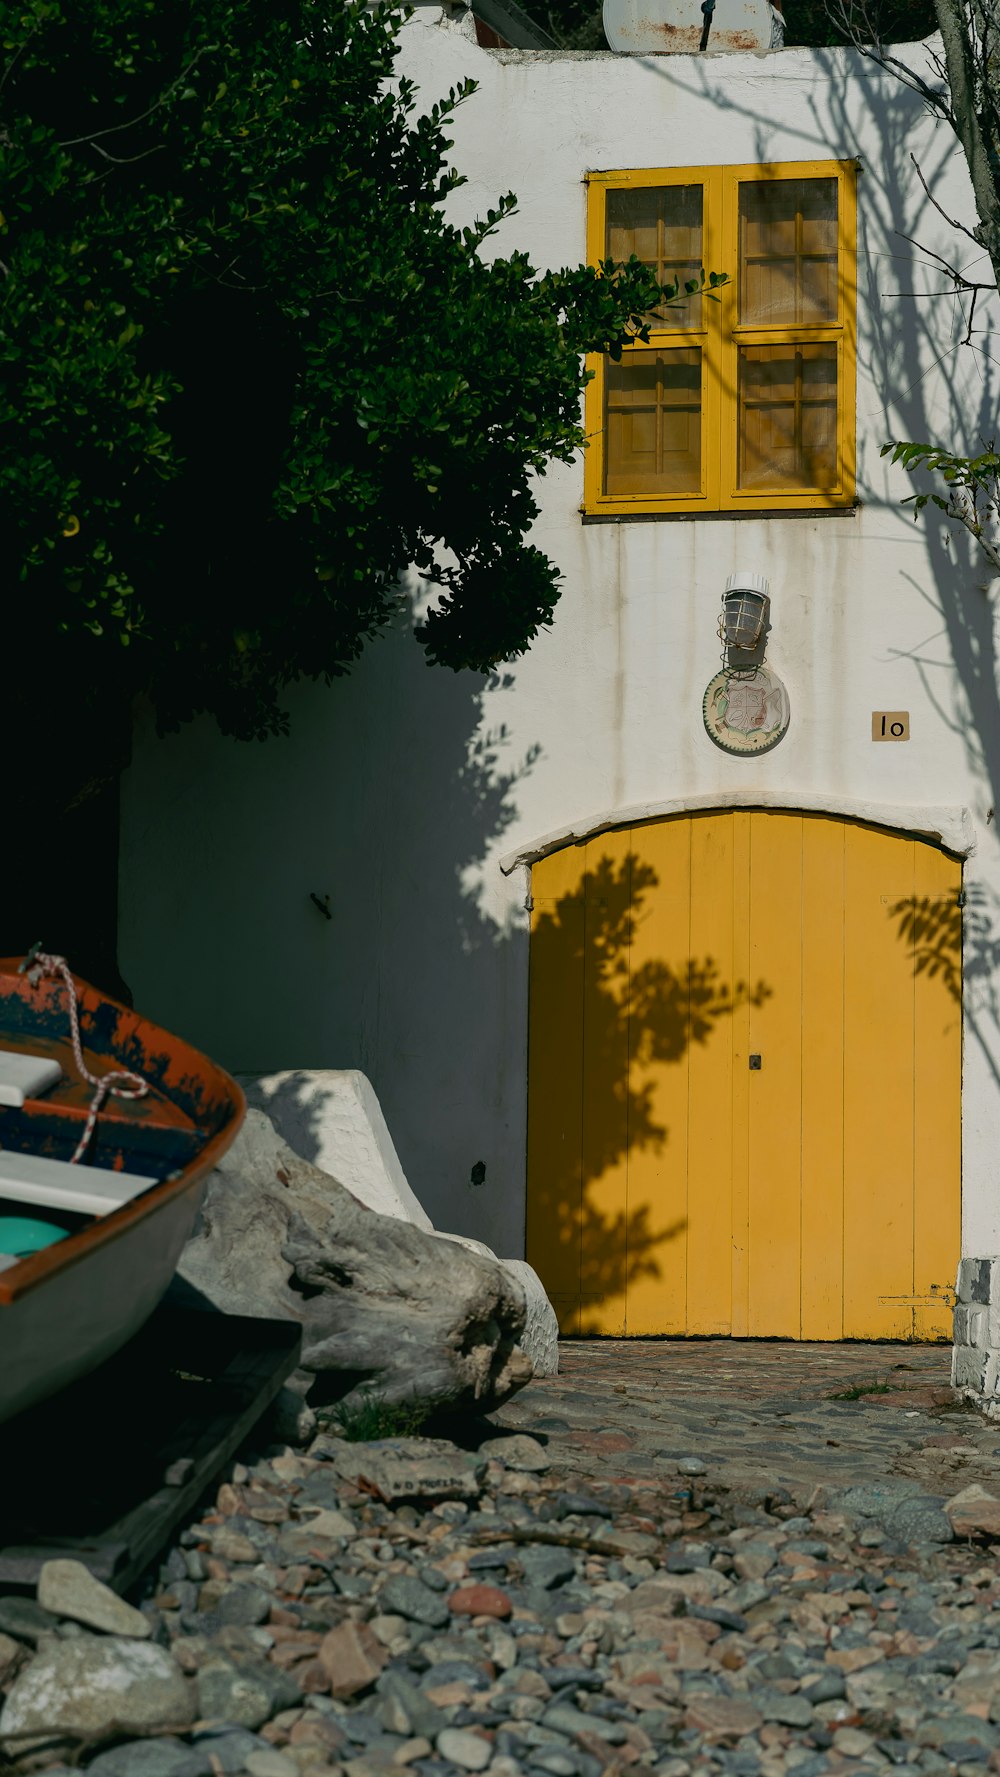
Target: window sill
{"x":791,"y":512}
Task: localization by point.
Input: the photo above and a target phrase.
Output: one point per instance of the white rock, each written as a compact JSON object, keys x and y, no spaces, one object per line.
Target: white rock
{"x":270,"y":1763}
{"x":68,"y":1589}
{"x":467,"y":1750}
{"x":518,"y":1452}
{"x":99,"y":1685}
{"x":540,"y":1338}
{"x":332,"y":1117}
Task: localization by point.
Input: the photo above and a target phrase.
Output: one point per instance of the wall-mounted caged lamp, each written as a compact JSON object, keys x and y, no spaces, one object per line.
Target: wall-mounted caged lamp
{"x":744,"y":612}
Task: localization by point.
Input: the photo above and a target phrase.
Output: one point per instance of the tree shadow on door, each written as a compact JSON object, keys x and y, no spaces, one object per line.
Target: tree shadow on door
{"x":603,"y":1026}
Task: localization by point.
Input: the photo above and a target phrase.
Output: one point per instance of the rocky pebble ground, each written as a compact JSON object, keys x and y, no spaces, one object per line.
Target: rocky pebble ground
{"x":409,"y":1605}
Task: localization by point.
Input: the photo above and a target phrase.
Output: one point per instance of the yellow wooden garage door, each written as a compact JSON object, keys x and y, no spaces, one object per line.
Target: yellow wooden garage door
{"x":745,"y":1079}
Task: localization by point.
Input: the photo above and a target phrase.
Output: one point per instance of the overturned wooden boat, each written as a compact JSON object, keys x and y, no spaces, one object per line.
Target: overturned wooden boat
{"x":108,"y":1129}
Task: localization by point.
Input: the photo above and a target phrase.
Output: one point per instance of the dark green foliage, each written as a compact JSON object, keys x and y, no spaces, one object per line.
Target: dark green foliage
{"x":250,"y":372}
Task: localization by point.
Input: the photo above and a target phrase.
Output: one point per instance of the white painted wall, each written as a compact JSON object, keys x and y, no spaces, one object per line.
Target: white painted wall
{"x":402,"y":788}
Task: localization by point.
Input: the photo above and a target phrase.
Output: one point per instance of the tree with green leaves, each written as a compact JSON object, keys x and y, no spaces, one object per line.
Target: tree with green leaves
{"x":252,"y":371}
{"x":254,"y":375}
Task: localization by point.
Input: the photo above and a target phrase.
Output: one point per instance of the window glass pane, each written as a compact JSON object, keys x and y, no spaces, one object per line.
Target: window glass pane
{"x":652,"y":423}
{"x":662,"y":226}
{"x":788,"y":251}
{"x":788,"y":417}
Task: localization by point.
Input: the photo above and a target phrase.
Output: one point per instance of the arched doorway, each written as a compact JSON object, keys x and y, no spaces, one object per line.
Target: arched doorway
{"x":745,"y":1079}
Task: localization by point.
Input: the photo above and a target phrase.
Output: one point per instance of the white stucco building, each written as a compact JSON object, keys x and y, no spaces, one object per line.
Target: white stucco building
{"x":421,"y":804}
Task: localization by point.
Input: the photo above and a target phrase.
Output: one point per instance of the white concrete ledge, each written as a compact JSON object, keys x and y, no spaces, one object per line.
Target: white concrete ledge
{"x":953,"y":827}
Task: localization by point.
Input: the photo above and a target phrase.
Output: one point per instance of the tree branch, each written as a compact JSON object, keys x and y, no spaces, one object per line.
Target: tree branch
{"x":115,"y":129}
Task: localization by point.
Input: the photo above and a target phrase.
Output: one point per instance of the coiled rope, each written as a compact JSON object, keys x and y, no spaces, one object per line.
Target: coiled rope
{"x":119,"y":1083}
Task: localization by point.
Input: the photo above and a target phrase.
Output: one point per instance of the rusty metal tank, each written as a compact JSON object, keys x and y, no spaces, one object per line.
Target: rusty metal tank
{"x":678,"y":27}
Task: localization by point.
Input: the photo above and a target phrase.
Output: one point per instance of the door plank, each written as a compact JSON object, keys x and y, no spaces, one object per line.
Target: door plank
{"x":776,"y":1089}
{"x":710,"y":1065}
{"x":878,"y":1090}
{"x":823,"y":843}
{"x":606,"y":962}
{"x":659,"y":1043}
{"x":555,"y":1081}
{"x":937,"y":1067}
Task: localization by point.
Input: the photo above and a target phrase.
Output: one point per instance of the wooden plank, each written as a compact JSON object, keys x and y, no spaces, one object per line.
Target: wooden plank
{"x":823,"y":843}
{"x":659,"y":1043}
{"x":878,"y":1087}
{"x":604,"y":1123}
{"x":742,"y":1080}
{"x":555,"y":1080}
{"x":776,"y":1086}
{"x":937,"y":1105}
{"x":710,"y":1064}
{"x":186,"y":1392}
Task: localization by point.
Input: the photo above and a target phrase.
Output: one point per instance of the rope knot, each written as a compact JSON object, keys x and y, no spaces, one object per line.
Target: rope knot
{"x":119,"y":1083}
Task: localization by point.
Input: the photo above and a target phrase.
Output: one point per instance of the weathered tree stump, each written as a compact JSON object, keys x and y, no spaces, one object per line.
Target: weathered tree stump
{"x":397,"y":1310}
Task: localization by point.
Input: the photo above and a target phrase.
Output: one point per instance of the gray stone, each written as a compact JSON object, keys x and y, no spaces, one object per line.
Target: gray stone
{"x":151,"y":1758}
{"x":227,"y":1748}
{"x":243,"y":1604}
{"x":791,"y":1712}
{"x":271,"y":1763}
{"x":829,"y":1687}
{"x":99,"y":1686}
{"x":691,"y":1465}
{"x":469,"y":1751}
{"x":746,"y":1595}
{"x":920,"y":1520}
{"x":412,"y":1468}
{"x":405,"y":1596}
{"x":244,"y":1695}
{"x":563,"y":1718}
{"x":24,"y":1619}
{"x":422,"y":1716}
{"x":546,"y":1567}
{"x":517,"y":1452}
{"x":68,"y":1589}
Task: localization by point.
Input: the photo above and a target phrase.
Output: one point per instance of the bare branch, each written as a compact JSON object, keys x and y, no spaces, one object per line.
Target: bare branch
{"x":962,"y":508}
{"x":957,"y":277}
{"x":116,"y":129}
{"x":951,"y":220}
{"x":126,"y":160}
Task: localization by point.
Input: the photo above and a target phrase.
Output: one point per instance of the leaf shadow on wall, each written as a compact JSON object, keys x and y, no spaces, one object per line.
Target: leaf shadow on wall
{"x":962,"y":951}
{"x":604,"y":1028}
{"x":928,"y":371}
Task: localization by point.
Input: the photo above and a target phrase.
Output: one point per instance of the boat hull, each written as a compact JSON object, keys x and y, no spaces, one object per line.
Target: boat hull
{"x":67,"y":1308}
{"x":84,"y":1313}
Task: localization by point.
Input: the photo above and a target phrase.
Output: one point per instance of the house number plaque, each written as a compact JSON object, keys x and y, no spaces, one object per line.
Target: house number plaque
{"x":890,"y":724}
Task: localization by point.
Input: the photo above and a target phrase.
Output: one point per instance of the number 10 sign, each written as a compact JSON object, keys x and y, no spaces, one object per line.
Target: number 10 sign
{"x":890,"y":724}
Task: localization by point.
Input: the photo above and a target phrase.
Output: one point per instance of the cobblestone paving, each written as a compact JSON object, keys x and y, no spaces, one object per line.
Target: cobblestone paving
{"x":761,"y":1412}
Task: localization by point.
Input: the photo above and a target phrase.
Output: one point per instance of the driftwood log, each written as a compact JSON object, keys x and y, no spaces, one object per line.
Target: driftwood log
{"x":391,"y":1308}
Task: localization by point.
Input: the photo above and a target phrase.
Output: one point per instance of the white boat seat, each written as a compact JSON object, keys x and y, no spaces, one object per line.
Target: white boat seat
{"x":25,"y":1076}
{"x":55,"y":1184}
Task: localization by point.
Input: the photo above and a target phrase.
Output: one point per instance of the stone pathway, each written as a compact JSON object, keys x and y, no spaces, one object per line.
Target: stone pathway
{"x":761,"y":1412}
{"x":683,"y":1558}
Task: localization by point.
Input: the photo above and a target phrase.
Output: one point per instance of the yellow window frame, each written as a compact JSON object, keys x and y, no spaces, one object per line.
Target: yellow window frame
{"x":720,"y":335}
